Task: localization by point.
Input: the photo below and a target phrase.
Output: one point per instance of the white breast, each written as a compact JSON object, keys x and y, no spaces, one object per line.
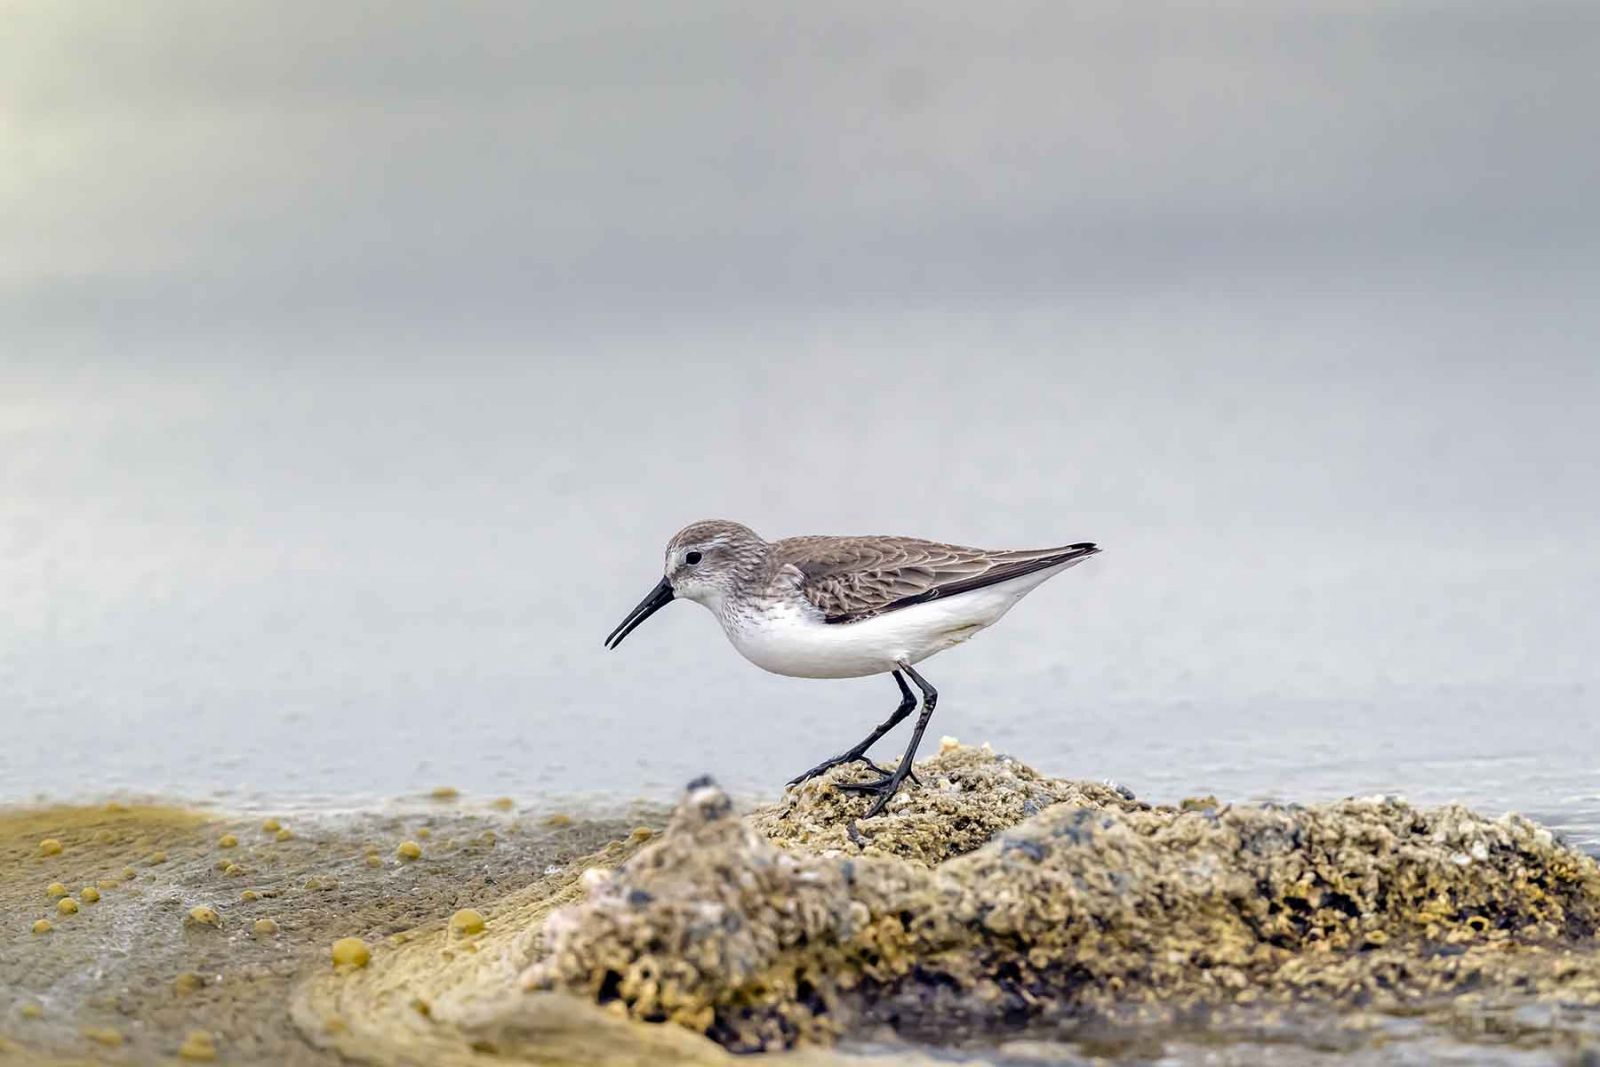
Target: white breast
{"x":791,"y":638}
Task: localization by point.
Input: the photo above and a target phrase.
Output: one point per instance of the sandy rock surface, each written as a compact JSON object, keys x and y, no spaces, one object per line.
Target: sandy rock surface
{"x":975,"y":906}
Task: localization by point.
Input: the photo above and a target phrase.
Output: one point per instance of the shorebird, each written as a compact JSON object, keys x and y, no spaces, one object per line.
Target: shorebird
{"x":847,"y":607}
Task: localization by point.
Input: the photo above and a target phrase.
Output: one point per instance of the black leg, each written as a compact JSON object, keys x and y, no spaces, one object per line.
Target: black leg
{"x":885,"y":787}
{"x":859,"y":752}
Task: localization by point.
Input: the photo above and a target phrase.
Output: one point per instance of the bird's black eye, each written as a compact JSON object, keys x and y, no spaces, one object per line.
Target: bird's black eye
{"x":692,"y":558}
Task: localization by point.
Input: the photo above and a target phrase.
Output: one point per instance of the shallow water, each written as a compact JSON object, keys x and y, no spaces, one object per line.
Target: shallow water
{"x":1365,"y":565}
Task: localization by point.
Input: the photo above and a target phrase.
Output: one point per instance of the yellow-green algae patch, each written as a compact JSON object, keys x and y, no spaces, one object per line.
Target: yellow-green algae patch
{"x":131,"y":964}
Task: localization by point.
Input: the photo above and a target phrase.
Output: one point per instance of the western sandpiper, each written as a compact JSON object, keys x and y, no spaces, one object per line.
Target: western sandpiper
{"x":845,"y":607}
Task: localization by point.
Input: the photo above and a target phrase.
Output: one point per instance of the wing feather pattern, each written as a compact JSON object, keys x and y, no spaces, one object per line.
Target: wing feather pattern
{"x":853,"y":578}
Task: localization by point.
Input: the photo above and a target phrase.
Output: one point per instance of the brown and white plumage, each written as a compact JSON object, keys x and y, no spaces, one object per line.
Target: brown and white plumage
{"x":855,"y":578}
{"x":843,"y":607}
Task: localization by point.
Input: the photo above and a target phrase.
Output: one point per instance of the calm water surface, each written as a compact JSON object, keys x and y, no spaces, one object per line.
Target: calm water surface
{"x":265,"y":581}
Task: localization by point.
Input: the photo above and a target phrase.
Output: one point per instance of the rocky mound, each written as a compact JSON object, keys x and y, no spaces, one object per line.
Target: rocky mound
{"x":992,"y":896}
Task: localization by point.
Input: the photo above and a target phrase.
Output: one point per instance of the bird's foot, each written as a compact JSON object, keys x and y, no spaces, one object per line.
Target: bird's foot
{"x":829,"y":764}
{"x":882,"y":788}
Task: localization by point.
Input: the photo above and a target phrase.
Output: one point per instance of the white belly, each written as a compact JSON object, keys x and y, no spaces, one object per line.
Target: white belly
{"x":796,"y":642}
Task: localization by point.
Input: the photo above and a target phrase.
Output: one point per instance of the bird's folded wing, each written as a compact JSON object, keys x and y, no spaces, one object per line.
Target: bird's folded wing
{"x":854,"y":578}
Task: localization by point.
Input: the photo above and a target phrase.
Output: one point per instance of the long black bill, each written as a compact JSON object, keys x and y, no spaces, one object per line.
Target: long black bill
{"x":659,"y":598}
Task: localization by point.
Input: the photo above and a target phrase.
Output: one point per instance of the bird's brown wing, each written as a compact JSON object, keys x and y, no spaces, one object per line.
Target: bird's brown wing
{"x":854,"y":578}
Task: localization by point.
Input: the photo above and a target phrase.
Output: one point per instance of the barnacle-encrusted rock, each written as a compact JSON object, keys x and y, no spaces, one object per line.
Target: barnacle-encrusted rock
{"x":992,"y":895}
{"x":968,"y":795}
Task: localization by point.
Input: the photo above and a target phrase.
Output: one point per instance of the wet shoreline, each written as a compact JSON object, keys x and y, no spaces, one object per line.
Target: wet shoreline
{"x":450,"y":899}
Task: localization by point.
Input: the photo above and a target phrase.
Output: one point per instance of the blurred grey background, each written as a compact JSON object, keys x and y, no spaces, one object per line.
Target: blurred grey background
{"x":357,"y":360}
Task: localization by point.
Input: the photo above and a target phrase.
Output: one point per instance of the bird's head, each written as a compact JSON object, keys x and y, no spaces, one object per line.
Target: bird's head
{"x":703,"y":561}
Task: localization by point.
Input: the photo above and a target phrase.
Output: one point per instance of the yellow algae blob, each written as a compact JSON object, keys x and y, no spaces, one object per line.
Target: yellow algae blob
{"x":32,"y":1011}
{"x":157,"y":858}
{"x":248,"y":895}
{"x":424,"y":832}
{"x":641,"y":834}
{"x":67,"y":906}
{"x":351,"y":952}
{"x":201,"y":915}
{"x":227,"y":841}
{"x":90,"y":895}
{"x":271,"y":826}
{"x":103,"y":1035}
{"x":187,"y":982}
{"x":49,"y":847}
{"x":374,"y":860}
{"x":409,"y":850}
{"x":285,"y":834}
{"x":233,"y":870}
{"x":56,"y":889}
{"x":199,"y":1047}
{"x":466,"y":922}
{"x":264,"y":928}
{"x":557,"y":820}
{"x":42,"y":926}
{"x":104,"y":837}
{"x":107,"y":883}
{"x":502,"y":803}
{"x":446,"y":792}
{"x":129,"y":874}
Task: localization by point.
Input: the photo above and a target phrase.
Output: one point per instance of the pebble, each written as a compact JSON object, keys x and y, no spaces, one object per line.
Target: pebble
{"x":271,"y":826}
{"x":409,"y":850}
{"x":198,"y":1046}
{"x":201,"y":915}
{"x":42,"y":926}
{"x":264,"y":928}
{"x":351,"y":952}
{"x":466,"y":922}
{"x":50,"y":847}
{"x":227,"y":841}
{"x":103,"y":1035}
{"x":67,"y":906}
{"x":285,"y":834}
{"x":90,"y":895}
{"x":56,"y":889}
{"x":248,"y":895}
